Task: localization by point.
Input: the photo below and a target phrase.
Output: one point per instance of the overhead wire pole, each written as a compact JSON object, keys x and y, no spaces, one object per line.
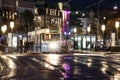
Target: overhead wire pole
{"x":98,"y":16}
{"x":98,"y":21}
{"x":67,"y":2}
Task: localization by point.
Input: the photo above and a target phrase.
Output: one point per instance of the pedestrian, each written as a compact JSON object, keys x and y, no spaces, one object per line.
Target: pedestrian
{"x":91,"y":47}
{"x":26,"y":47}
{"x":21,"y":46}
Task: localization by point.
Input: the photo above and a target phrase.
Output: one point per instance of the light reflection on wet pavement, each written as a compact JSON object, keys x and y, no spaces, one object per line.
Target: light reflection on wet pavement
{"x":26,"y":68}
{"x":57,"y":67}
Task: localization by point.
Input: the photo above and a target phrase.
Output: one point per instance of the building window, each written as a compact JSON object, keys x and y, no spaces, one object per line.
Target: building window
{"x":3,"y":14}
{"x":10,"y":16}
{"x":13,"y":16}
{"x":58,"y":13}
{"x":17,"y":3}
{"x":8,"y":2}
{"x":47,"y":10}
{"x":36,"y":10}
{"x":52,"y":12}
{"x":7,"y":16}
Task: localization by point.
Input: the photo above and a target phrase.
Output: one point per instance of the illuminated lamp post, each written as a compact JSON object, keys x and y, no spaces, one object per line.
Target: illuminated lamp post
{"x":75,"y":31}
{"x":88,"y":29}
{"x":103,"y":30}
{"x":3,"y":29}
{"x":12,"y":26}
{"x":117,"y":26}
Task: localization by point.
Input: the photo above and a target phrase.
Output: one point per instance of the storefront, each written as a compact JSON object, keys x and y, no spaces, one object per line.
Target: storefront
{"x":84,"y":42}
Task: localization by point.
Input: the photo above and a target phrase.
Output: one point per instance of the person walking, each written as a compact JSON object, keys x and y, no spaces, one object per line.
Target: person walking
{"x":25,"y":47}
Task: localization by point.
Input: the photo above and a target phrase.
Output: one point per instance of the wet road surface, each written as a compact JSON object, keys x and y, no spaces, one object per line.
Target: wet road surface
{"x":59,"y":67}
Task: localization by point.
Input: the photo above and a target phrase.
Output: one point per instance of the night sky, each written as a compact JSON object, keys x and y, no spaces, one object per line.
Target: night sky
{"x":86,"y":4}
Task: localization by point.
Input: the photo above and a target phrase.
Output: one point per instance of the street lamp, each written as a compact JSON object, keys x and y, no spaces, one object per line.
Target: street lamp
{"x":117,"y":26}
{"x":75,"y":30}
{"x":103,"y":29}
{"x":115,"y":7}
{"x":12,"y":26}
{"x":3,"y":29}
{"x":88,"y":29}
{"x":75,"y":44}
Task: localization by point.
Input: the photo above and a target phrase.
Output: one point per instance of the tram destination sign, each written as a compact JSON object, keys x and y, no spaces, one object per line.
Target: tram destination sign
{"x":53,"y":31}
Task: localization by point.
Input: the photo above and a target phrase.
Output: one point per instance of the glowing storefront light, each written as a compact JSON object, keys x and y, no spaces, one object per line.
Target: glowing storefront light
{"x":14,"y":42}
{"x":84,"y":42}
{"x":88,"y":38}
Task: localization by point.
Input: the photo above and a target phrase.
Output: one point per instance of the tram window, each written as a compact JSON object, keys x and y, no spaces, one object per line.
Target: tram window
{"x":55,"y":37}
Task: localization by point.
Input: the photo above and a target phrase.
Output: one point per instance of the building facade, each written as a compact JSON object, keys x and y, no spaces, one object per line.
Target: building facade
{"x":48,"y":27}
{"x":10,"y":10}
{"x":50,"y":17}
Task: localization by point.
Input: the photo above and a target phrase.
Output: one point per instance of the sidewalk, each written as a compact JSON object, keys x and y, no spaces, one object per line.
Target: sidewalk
{"x":95,"y":52}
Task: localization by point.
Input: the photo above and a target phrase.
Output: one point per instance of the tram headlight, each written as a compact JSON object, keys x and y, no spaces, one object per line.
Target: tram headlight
{"x":53,"y":45}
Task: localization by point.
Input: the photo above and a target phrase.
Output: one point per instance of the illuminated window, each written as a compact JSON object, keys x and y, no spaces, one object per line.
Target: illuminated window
{"x":52,"y":12}
{"x":13,"y":16}
{"x":10,"y":15}
{"x":17,"y":3}
{"x":47,"y":11}
{"x":55,"y":12}
{"x":59,"y":13}
{"x":3,"y":14}
{"x":6,"y":14}
{"x":36,"y":11}
{"x":84,"y":42}
{"x":8,"y":2}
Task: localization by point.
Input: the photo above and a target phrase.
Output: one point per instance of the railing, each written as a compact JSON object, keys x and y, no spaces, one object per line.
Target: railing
{"x":108,"y":48}
{"x":6,"y":49}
